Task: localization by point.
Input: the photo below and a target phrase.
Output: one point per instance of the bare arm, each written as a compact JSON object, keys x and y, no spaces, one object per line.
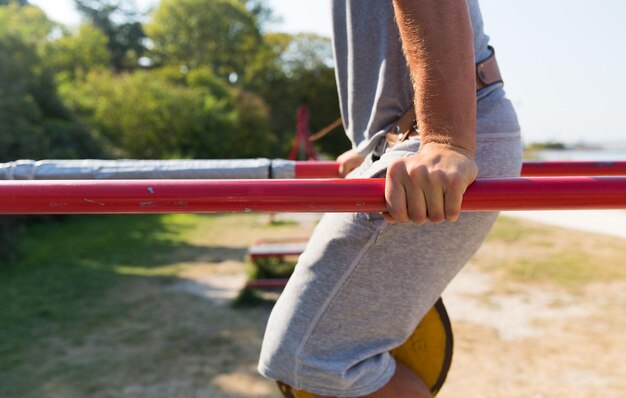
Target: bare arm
{"x":437,"y":41}
{"x":438,"y":45}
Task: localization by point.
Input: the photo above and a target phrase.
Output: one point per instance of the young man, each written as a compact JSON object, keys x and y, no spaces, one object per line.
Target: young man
{"x":365,"y":280}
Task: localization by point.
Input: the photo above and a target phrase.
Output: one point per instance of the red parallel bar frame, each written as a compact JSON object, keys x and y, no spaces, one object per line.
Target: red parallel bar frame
{"x":338,"y":195}
{"x":265,"y":241}
{"x":330,"y":169}
{"x":267,"y":284}
{"x":317,"y":169}
{"x":573,"y":168}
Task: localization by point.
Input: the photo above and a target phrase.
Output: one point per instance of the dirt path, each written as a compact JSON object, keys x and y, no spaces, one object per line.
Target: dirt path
{"x":535,"y":343}
{"x":608,"y":222}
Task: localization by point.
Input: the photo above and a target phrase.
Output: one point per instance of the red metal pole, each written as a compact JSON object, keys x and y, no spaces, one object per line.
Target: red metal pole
{"x":338,"y":195}
{"x":318,"y":169}
{"x":267,"y":283}
{"x":573,"y":168}
{"x":330,"y":169}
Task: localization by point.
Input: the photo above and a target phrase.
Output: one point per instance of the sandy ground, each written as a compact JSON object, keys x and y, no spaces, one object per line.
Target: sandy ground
{"x":536,"y":343}
{"x":607,"y":222}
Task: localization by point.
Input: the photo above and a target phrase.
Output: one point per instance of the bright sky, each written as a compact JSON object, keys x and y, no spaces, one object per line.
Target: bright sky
{"x":563,"y":61}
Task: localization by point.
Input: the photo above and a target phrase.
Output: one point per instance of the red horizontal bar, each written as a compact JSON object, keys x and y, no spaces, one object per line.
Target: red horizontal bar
{"x":316,"y":169}
{"x":338,"y":195}
{"x":266,"y":241}
{"x":329,"y":169}
{"x":573,"y":168}
{"x":276,"y":253}
{"x":267,"y":284}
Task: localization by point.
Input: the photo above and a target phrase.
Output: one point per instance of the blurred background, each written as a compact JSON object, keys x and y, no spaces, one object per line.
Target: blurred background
{"x":141,"y":306}
{"x":178,"y":79}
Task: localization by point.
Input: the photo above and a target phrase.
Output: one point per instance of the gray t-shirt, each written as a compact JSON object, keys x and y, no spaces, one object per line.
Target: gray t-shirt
{"x":372,"y":74}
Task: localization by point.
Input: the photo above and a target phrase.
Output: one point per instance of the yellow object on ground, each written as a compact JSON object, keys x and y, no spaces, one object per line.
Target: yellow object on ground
{"x":428,"y":352}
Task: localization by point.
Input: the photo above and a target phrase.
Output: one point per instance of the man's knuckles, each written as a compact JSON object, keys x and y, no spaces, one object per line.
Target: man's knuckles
{"x":397,"y":170}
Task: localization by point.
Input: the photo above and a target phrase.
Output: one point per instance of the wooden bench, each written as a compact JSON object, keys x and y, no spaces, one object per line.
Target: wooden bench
{"x":267,"y":249}
{"x":280,"y":250}
{"x":267,"y":284}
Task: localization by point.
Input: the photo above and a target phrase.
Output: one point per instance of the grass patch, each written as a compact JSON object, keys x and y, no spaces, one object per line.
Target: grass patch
{"x":249,"y":298}
{"x":510,"y":230}
{"x":272,"y":268}
{"x":86,"y":309}
{"x":282,"y":223}
{"x":264,"y":268}
{"x":63,"y":272}
{"x":533,"y":253}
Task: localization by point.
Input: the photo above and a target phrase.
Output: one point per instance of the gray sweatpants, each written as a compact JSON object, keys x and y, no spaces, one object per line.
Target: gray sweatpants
{"x":361,"y":286}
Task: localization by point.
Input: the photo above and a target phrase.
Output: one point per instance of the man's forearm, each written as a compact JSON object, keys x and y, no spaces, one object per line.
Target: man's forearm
{"x":438,"y":44}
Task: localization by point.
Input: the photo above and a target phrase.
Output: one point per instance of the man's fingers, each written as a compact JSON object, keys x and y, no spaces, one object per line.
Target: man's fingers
{"x":349,"y":161}
{"x":416,"y":204}
{"x":341,"y":170}
{"x":345,"y":167}
{"x":453,"y":199}
{"x":395,"y":194}
{"x":387,"y":217}
{"x":435,"y":203}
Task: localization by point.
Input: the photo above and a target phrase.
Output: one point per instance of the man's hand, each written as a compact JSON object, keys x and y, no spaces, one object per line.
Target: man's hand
{"x":349,"y":161}
{"x":429,"y":185}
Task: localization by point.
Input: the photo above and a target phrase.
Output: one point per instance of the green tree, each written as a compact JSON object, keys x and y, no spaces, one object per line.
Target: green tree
{"x":220,"y":34}
{"x":21,"y":133}
{"x":159,"y":114}
{"x":75,"y":54}
{"x":125,"y":39}
{"x":292,"y":70}
{"x":252,"y":135}
{"x":18,"y":2}
{"x":34,"y":122}
{"x":30,"y":23}
{"x":261,"y":11}
{"x":145,"y":116}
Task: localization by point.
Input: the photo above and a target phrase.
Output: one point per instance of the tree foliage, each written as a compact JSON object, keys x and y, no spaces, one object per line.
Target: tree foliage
{"x":125,"y":39}
{"x":34,"y":123}
{"x":29,"y":23}
{"x":292,"y":70}
{"x":76,"y":53}
{"x":218,"y":86}
{"x":151,"y":115}
{"x":220,"y":34}
{"x":18,"y":2}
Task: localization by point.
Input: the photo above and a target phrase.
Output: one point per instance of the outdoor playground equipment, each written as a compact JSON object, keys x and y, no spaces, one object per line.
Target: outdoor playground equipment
{"x":428,"y":351}
{"x":334,"y":195}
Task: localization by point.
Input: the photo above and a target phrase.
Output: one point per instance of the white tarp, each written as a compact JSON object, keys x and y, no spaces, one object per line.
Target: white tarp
{"x":93,"y":169}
